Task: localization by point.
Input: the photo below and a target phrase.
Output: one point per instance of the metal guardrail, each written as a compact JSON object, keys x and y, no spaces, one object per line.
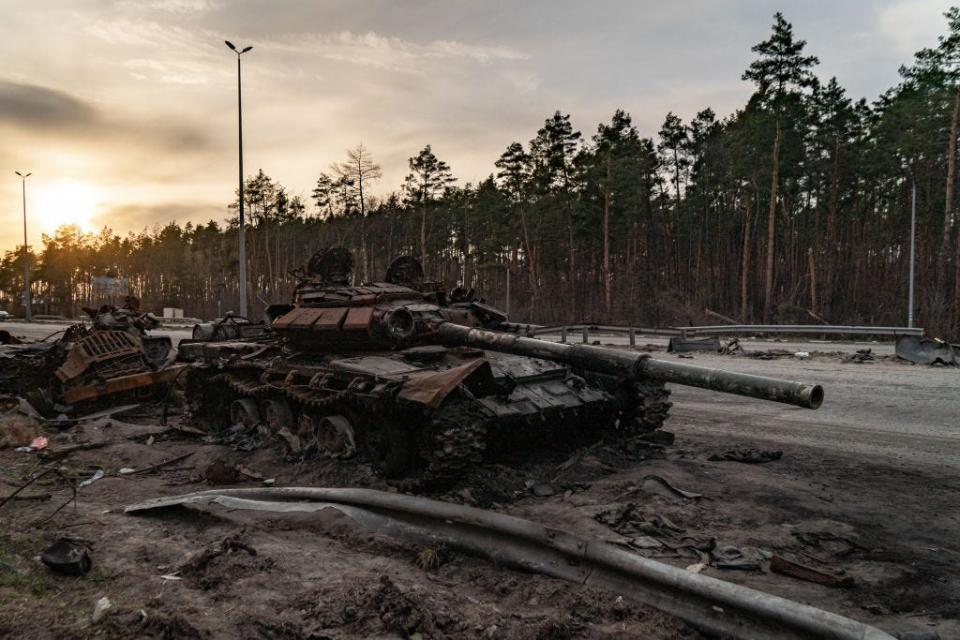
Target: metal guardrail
{"x":585,"y":330}
{"x":825,"y":329}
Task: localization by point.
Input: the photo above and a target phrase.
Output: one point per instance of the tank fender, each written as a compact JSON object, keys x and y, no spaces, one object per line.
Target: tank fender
{"x":431,"y":388}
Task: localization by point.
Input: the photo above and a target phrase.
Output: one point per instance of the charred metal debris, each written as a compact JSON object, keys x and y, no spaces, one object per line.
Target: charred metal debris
{"x":111,"y":359}
{"x":415,"y":379}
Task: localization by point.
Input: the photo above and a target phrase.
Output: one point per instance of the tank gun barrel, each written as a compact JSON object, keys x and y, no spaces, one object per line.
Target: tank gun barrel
{"x":635,"y":366}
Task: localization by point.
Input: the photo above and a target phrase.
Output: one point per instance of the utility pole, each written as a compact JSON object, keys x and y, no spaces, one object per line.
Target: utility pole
{"x":243,"y":239}
{"x":26,"y":254}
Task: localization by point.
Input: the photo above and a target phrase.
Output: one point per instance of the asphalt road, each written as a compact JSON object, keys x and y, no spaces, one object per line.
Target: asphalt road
{"x":905,"y":414}
{"x":878,"y":347}
{"x":40,"y":330}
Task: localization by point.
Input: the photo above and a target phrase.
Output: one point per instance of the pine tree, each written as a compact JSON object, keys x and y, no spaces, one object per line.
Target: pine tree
{"x":781,"y":74}
{"x":553,"y":151}
{"x":428,"y":179}
{"x":514,"y":174}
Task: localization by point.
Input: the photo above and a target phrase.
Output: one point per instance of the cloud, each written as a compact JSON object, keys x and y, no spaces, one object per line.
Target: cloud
{"x":392,"y":53}
{"x":182,"y":7}
{"x":27,"y":108}
{"x":32,"y":106}
{"x":138,"y":216}
{"x":912,"y":25}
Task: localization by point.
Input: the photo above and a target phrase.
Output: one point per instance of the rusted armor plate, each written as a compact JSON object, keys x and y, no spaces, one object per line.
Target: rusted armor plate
{"x":430,"y":387}
{"x":97,"y":347}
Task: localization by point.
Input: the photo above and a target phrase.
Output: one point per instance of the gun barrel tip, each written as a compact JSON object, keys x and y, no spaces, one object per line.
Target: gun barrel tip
{"x":815,"y":397}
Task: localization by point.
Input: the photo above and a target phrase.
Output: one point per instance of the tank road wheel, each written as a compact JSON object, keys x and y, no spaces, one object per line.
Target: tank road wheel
{"x":277,"y":414}
{"x":244,"y":411}
{"x":387,"y":445}
{"x":335,"y":437}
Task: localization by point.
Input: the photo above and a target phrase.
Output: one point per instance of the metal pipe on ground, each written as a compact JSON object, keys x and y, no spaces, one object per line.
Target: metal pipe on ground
{"x":709,"y":604}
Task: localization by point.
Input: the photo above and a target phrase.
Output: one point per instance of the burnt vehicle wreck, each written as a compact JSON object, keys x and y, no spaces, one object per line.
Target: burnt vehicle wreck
{"x":112,"y":359}
{"x":423,"y":385}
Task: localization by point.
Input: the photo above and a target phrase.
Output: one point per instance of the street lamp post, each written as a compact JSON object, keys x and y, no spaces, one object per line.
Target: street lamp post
{"x":243,"y":240}
{"x":26,"y":254}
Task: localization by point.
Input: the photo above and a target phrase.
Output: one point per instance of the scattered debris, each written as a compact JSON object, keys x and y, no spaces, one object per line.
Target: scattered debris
{"x":628,"y":520}
{"x":249,"y":473}
{"x":747,"y":455}
{"x":779,"y":564}
{"x":96,"y":476}
{"x":16,"y":431}
{"x":861,"y":356}
{"x":682,"y":345}
{"x":37,"y":444}
{"x":543,"y":490}
{"x":731,"y":347}
{"x":67,"y":556}
{"x":740,"y":558}
{"x":162,"y":464}
{"x":770,"y":354}
{"x":926,"y":351}
{"x":657,"y":484}
{"x":100,"y":609}
{"x":219,"y":473}
{"x":63,"y":452}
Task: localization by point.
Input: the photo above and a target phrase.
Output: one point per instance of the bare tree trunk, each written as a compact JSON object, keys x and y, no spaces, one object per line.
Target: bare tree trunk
{"x":813,"y":280}
{"x":532,"y":272}
{"x":466,"y":250}
{"x":607,"y":276}
{"x":956,"y":292}
{"x":572,"y":265}
{"x":745,"y":262}
{"x":771,"y":226}
{"x":951,"y":169}
{"x":423,"y":236}
{"x":948,"y":209}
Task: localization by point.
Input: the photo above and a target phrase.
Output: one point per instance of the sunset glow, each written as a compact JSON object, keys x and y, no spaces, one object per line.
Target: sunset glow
{"x":63,"y":202}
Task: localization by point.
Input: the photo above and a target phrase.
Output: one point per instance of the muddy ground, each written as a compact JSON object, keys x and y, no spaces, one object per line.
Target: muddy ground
{"x":886,"y":521}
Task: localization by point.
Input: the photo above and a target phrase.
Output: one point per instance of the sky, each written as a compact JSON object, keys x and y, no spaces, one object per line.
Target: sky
{"x":125,"y":110}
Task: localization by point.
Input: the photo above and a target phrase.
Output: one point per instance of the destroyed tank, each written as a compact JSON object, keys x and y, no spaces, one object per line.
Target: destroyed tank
{"x":113,"y":357}
{"x":422,"y":383}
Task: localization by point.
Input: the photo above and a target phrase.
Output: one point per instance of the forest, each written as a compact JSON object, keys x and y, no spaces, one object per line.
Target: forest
{"x":794,"y":209}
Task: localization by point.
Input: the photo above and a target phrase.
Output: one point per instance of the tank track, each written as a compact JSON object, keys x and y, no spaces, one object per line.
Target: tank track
{"x":454,"y":442}
{"x":652,"y":402}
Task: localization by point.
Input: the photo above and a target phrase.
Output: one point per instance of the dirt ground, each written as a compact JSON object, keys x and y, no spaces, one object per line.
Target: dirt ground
{"x":861,"y":511}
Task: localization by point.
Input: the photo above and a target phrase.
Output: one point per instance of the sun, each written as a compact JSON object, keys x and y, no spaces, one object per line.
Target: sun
{"x":63,"y":202}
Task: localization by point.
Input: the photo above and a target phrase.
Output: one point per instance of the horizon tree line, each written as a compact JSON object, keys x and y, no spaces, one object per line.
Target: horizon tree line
{"x":795,"y":208}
